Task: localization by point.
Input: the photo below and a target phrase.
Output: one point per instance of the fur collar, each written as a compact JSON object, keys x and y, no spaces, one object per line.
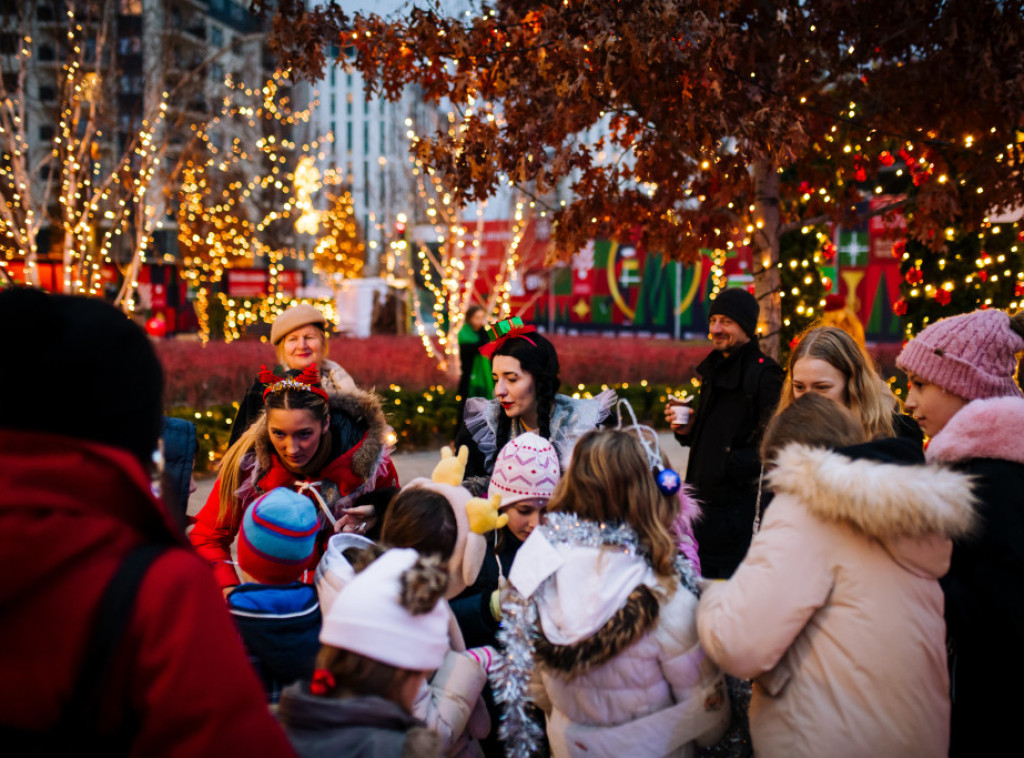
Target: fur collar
{"x":982,"y":429}
{"x":882,"y":500}
{"x":631,"y":622}
{"x":360,"y":408}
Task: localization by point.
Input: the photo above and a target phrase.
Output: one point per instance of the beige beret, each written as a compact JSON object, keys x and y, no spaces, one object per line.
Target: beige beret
{"x":293,"y":318}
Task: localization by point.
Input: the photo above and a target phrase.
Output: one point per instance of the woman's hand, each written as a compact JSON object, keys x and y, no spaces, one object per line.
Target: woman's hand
{"x":358,"y":519}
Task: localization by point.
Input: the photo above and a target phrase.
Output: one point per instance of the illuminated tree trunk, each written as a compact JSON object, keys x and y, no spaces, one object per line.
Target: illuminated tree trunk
{"x":765,"y":240}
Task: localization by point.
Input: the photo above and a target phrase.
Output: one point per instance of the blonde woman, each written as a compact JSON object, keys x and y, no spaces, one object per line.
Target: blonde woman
{"x":299,"y":335}
{"x":829,"y":362}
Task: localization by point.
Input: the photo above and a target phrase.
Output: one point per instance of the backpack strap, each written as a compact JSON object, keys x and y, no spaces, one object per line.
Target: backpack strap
{"x":75,"y":731}
{"x":115,"y":611}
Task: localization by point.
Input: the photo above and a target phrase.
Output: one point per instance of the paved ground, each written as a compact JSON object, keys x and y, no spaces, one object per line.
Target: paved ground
{"x":414,"y":464}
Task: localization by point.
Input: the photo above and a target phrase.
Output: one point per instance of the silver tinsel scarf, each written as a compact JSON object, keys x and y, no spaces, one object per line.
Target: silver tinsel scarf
{"x":510,"y":675}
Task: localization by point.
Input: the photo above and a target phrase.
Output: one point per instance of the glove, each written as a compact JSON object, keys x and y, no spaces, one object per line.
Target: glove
{"x":485,"y":656}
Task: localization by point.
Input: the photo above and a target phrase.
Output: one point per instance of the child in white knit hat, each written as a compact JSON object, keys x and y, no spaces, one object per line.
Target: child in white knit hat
{"x":525,"y":473}
{"x":384,"y":633}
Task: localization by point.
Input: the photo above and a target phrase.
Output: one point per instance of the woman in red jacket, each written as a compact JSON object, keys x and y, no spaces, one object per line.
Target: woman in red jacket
{"x":331,"y":448}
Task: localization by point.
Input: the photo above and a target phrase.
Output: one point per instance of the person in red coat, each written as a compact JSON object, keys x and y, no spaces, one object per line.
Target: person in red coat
{"x":330,"y":447}
{"x":75,"y":501}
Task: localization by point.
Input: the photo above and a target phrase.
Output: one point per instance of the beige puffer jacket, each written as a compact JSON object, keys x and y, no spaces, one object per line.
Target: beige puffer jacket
{"x":836,"y":611}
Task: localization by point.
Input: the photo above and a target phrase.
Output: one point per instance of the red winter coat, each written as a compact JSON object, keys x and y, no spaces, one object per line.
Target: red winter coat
{"x":362,"y":467}
{"x":69,"y":513}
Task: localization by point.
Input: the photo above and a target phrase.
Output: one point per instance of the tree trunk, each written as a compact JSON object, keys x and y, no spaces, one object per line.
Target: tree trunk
{"x":765,"y":241}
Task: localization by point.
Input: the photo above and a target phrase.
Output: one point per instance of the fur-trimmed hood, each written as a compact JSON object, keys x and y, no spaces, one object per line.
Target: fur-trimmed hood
{"x":912,"y":510}
{"x":989,"y":428}
{"x":595,"y":594}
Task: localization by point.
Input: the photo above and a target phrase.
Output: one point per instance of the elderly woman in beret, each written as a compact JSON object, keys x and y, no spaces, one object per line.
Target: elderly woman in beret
{"x":300,"y":336}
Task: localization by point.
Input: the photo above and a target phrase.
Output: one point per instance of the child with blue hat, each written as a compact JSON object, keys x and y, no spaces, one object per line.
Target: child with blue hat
{"x":277,"y":614}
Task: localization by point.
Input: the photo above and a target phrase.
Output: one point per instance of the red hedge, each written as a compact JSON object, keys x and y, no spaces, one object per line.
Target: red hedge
{"x":199,"y":376}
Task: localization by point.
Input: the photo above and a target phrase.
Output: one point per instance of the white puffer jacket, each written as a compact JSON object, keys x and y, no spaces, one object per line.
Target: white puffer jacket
{"x":619,"y":669}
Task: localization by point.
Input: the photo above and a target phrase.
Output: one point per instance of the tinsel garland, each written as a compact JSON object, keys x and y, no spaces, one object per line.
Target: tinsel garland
{"x":510,"y":676}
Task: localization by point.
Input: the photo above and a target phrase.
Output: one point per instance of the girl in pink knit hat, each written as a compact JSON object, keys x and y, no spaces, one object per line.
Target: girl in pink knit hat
{"x":963,"y":393}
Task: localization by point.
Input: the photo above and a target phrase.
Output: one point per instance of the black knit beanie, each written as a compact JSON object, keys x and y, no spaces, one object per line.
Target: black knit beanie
{"x":740,"y":306}
{"x":78,"y":367}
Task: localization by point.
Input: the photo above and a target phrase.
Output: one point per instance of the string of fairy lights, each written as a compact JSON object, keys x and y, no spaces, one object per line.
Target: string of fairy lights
{"x":450,"y":274}
{"x":101,"y":201}
{"x":236,"y":198}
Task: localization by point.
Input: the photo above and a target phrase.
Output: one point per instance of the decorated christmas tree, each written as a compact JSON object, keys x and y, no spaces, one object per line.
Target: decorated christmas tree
{"x":983,"y":269}
{"x":340,"y":252}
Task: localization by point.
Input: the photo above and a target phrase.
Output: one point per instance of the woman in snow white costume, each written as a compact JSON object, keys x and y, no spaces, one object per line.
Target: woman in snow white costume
{"x":525,"y":368}
{"x":599,"y":621}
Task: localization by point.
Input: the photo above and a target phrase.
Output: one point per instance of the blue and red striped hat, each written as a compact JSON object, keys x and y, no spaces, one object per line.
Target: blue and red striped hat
{"x":277,"y":537}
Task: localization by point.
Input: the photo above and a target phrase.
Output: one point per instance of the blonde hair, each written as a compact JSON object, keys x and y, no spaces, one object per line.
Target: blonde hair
{"x":257,"y":436}
{"x":610,"y":480}
{"x":324,"y":343}
{"x":866,"y":394}
{"x":811,"y":420}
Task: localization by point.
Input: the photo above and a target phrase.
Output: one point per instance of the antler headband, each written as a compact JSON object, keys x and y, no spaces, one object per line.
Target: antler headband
{"x":505,"y":330}
{"x":308,"y":380}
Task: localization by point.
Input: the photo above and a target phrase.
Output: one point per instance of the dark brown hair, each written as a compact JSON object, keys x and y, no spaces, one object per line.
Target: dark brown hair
{"x":422,"y":519}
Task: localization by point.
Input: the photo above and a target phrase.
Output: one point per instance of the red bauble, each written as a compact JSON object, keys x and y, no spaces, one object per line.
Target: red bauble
{"x":914,"y":276}
{"x":886,"y":158}
{"x":860,"y":175}
{"x":898,"y":248}
{"x":942,"y":297}
{"x":983,"y":275}
{"x":1018,"y":289}
{"x":900,"y":307}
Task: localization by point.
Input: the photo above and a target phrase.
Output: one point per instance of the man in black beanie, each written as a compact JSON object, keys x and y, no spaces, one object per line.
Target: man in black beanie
{"x":740,"y":387}
{"x":115,"y":639}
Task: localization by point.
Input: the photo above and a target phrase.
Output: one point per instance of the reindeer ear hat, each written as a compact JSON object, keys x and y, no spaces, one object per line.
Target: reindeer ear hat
{"x":446,"y":480}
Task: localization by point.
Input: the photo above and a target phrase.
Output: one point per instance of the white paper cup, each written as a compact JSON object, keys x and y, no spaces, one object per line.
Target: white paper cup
{"x":681,"y":414}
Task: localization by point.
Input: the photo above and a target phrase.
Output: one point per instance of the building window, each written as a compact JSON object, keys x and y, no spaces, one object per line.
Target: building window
{"x":348,"y":137}
{"x":216,"y":36}
{"x":366,"y":138}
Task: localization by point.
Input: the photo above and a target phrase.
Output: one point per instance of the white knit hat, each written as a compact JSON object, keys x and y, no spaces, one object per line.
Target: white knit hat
{"x":525,"y":469}
{"x":334,"y":572}
{"x":368,"y":618}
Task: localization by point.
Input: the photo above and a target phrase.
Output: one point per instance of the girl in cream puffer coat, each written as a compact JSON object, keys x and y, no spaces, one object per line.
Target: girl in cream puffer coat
{"x":836,"y":612}
{"x":603,"y":613}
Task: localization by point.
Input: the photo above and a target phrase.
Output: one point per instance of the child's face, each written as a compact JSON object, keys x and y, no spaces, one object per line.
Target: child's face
{"x":931,"y":405}
{"x":524,"y":516}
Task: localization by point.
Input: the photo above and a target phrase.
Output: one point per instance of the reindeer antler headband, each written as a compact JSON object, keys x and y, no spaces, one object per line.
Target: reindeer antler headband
{"x":308,"y":380}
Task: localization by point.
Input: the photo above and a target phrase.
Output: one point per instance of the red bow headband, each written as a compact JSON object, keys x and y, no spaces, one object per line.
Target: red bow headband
{"x":503,"y":331}
{"x":308,"y":380}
